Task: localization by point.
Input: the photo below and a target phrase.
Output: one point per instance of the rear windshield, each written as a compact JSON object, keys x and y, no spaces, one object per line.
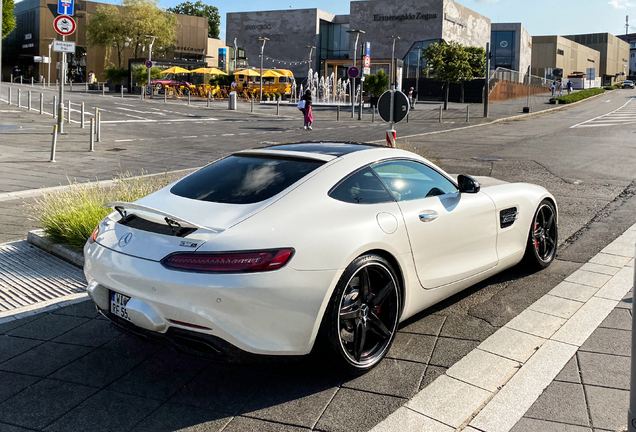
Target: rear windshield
{"x":244,"y":179}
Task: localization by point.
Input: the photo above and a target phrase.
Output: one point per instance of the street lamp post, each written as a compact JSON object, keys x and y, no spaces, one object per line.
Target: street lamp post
{"x":417,"y":72}
{"x":263,"y":39}
{"x":48,"y":73}
{"x":353,"y":84}
{"x":150,"y":56}
{"x":391,"y":71}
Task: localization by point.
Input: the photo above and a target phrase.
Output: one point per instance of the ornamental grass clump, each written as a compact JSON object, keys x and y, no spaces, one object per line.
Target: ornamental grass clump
{"x":583,"y":94}
{"x":70,"y":216}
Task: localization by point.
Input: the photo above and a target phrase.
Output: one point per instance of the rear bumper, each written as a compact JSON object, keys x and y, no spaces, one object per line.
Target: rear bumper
{"x":275,"y":313}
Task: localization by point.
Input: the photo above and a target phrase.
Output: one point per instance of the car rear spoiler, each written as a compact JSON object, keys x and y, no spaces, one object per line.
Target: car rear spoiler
{"x":123,"y":208}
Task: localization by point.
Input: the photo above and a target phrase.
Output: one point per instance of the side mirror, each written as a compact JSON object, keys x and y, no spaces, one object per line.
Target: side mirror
{"x":468,"y":184}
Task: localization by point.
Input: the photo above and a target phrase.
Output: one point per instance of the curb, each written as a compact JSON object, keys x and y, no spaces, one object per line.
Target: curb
{"x":39,"y":239}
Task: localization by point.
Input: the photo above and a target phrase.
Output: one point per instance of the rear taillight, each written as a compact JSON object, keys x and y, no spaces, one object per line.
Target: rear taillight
{"x":228,"y":262}
{"x":93,"y":236}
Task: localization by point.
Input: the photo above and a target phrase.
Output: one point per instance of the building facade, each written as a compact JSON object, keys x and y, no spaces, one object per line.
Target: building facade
{"x":34,"y":33}
{"x":294,"y":34}
{"x":511,"y":47}
{"x":631,"y":40}
{"x":614,"y":65}
{"x":556,"y":52}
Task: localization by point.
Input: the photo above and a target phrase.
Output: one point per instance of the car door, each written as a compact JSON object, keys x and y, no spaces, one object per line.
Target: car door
{"x":453,"y":235}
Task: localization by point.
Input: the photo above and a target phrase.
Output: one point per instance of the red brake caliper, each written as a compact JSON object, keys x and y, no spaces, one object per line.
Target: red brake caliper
{"x":536,"y":243}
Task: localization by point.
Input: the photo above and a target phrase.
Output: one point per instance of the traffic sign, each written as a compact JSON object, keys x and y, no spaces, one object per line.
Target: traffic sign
{"x":148,"y":64}
{"x":353,"y":72}
{"x":367,"y":61}
{"x":400,"y":106}
{"x":64,"y":25}
{"x":366,"y":71}
{"x":65,"y":7}
{"x":64,"y":46}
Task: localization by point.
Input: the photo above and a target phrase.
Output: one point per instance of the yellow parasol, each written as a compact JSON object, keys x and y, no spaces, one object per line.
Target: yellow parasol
{"x":248,"y":72}
{"x":271,"y":74}
{"x":211,"y":71}
{"x":175,"y":70}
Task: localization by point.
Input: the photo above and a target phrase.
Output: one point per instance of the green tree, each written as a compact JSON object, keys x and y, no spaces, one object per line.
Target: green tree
{"x":201,"y":10}
{"x":8,"y":19}
{"x":377,"y":84}
{"x":451,"y":63}
{"x":126,"y":27}
{"x":140,"y":73}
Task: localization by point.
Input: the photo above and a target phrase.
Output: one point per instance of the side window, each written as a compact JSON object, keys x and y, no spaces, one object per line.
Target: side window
{"x":363,"y":187}
{"x":409,"y":180}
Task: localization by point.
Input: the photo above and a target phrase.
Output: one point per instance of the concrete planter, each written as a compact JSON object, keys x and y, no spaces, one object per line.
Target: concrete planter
{"x":40,"y":239}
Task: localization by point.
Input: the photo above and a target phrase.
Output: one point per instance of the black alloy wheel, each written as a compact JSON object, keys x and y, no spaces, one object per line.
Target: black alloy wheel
{"x":542,"y":243}
{"x":364,"y":312}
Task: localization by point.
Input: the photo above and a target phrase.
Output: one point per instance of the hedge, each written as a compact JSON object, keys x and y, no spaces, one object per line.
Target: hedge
{"x":583,"y":94}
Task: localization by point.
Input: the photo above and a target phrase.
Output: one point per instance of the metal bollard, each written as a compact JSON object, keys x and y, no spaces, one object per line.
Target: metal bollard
{"x":208,"y":105}
{"x":41,"y":103}
{"x":467,"y":113}
{"x":53,"y":144}
{"x":54,"y":106}
{"x":20,"y":79}
{"x":103,"y":89}
{"x":122,"y":91}
{"x":99,"y":127}
{"x":407,"y":117}
{"x":43,"y":82}
{"x":31,"y":81}
{"x":85,"y":87}
{"x":92,"y":136}
{"x":338,"y":113}
{"x":141,"y":96}
{"x":19,"y":97}
{"x":440,"y":113}
{"x":82,"y":116}
{"x":188,"y":98}
{"x":71,"y":83}
{"x":251,"y":106}
{"x":29,"y":100}
{"x":9,"y":96}
{"x":278,"y":107}
{"x":68,"y":112}
{"x":165,"y":95}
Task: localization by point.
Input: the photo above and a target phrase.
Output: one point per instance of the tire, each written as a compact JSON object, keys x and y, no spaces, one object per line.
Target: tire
{"x":361,"y":319}
{"x":543,"y":237}
{"x":159,"y":86}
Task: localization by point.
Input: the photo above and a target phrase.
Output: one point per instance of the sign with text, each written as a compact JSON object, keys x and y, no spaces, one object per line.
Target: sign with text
{"x":64,"y":46}
{"x":65,"y":7}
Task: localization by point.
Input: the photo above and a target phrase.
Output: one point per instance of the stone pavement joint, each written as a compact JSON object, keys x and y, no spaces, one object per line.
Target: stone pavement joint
{"x":492,"y":387}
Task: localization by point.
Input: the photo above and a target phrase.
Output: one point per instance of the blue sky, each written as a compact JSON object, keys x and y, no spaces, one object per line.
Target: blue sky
{"x":539,"y":17}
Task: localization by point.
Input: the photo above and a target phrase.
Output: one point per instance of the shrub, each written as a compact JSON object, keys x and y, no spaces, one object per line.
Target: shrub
{"x":583,"y":94}
{"x":140,"y":73}
{"x":116,"y":74}
{"x":70,"y":216}
{"x":277,"y":95}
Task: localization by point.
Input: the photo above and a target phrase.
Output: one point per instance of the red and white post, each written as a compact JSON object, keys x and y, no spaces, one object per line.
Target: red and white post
{"x":390,"y":138}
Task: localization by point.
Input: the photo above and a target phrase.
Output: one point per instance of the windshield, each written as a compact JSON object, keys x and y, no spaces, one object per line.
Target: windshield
{"x":244,"y":179}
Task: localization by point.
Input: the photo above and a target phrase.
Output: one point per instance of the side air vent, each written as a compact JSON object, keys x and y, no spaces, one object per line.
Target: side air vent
{"x":508,"y":216}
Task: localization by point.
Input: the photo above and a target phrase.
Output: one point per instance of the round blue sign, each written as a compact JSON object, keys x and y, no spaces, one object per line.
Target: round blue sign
{"x":148,"y":64}
{"x":353,"y":72}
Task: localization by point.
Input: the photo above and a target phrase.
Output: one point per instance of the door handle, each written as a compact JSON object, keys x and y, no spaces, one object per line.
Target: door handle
{"x":428,"y":216}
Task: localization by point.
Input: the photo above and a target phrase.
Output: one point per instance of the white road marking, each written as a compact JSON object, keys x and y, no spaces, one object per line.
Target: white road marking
{"x":227,"y":135}
{"x":157,"y":121}
{"x":191,"y":136}
{"x":124,"y":140}
{"x":613,"y":116}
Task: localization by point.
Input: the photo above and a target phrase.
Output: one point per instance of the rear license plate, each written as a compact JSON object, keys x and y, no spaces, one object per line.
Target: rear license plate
{"x":118,"y":305}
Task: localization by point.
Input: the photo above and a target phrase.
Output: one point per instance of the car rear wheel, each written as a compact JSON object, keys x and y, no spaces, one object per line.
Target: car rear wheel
{"x":543,"y":237}
{"x":159,"y":86}
{"x":363,"y":313}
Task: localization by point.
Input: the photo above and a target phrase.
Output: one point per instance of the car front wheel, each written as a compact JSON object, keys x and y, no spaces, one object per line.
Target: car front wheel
{"x":543,"y":237}
{"x":363,"y":313}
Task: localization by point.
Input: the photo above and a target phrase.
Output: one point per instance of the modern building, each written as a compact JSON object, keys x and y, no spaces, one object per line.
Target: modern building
{"x":556,"y":52}
{"x":34,"y":33}
{"x":631,"y":40}
{"x":614,"y":65}
{"x":312,"y":39}
{"x":511,"y":47}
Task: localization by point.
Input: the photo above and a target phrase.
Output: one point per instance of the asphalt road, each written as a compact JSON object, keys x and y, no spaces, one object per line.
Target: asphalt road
{"x":586,"y":160}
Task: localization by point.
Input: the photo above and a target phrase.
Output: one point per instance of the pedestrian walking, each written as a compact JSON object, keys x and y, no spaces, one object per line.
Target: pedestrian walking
{"x":91,"y":77}
{"x":411,"y":97}
{"x":309,"y":117}
{"x":552,"y":87}
{"x":414,"y":99}
{"x":560,"y":88}
{"x":569,"y":87}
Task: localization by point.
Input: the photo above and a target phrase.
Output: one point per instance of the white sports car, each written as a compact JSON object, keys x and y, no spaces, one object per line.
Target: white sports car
{"x":277,"y":249}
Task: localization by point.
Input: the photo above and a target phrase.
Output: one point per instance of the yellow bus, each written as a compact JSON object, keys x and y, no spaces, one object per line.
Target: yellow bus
{"x":274,"y":80}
